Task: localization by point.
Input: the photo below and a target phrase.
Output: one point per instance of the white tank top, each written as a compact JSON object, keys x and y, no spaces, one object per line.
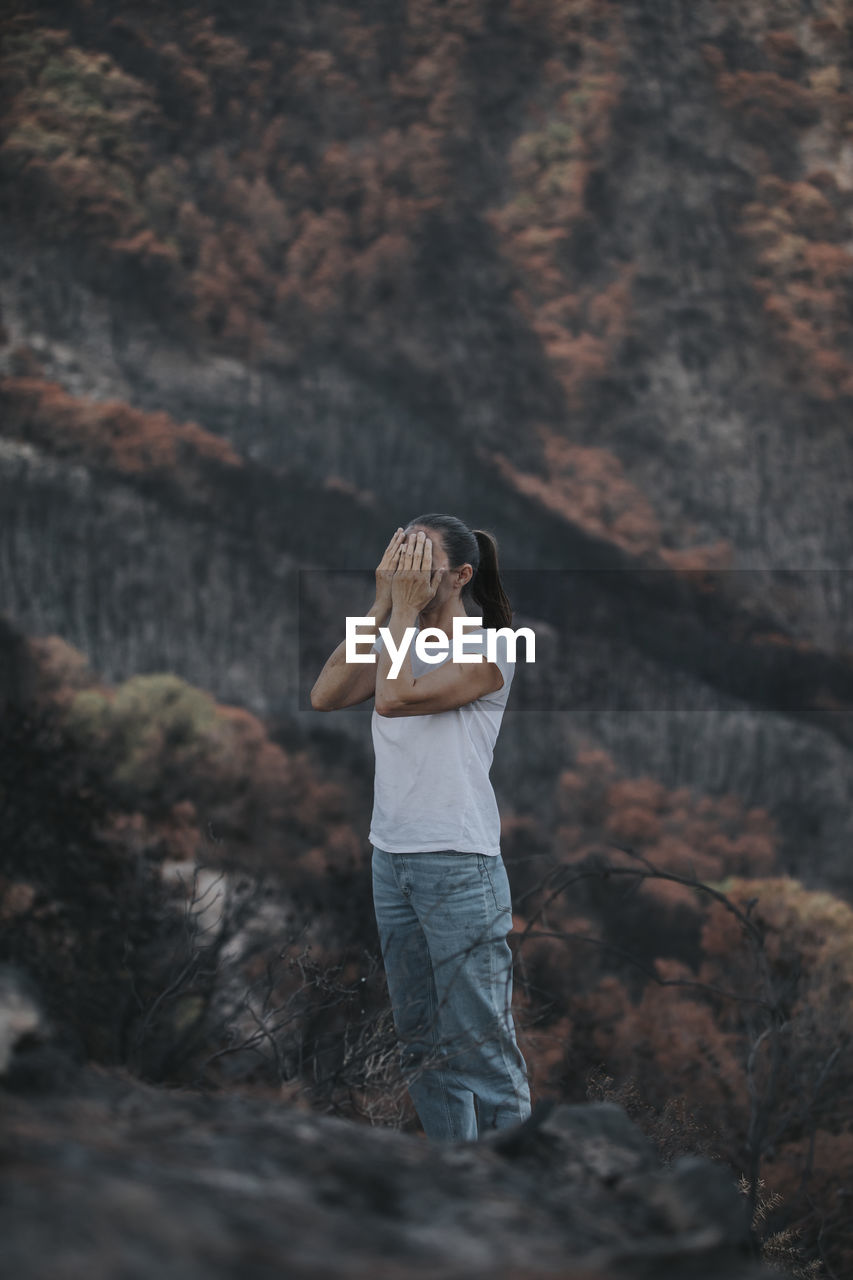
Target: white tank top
{"x":431,"y":788}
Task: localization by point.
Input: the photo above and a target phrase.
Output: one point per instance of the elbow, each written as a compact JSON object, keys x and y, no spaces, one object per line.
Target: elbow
{"x":388,"y":707}
{"x":318,"y":703}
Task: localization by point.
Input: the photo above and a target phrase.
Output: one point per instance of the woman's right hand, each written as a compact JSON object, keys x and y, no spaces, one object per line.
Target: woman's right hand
{"x":385,"y":570}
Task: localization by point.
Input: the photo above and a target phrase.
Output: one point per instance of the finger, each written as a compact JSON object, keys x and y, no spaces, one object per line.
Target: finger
{"x":390,"y":550}
{"x":396,"y":539}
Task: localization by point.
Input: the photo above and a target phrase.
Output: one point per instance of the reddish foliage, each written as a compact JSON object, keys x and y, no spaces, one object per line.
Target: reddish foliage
{"x":111,"y":434}
{"x":588,"y":487}
{"x":679,"y":833}
{"x":798,"y":230}
{"x":551,"y":164}
{"x":767,"y":99}
{"x":261,"y":208}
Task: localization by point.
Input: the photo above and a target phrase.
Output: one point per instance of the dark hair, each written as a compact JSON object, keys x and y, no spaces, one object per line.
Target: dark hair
{"x":479,"y":549}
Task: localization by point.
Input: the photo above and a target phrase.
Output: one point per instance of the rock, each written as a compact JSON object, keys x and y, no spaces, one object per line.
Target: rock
{"x":20,"y":1016}
{"x":118,"y":1178}
{"x":31,"y":1057}
{"x":594,"y":1140}
{"x":695,"y":1195}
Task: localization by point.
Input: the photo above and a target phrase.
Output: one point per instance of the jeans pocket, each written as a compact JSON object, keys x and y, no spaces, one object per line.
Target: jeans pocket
{"x":486,"y":873}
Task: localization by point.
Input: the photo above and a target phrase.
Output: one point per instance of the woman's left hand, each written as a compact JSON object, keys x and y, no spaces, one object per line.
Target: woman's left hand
{"x":415,"y":582}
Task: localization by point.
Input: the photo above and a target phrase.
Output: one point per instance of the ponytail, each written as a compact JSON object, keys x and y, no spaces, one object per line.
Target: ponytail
{"x":486,"y":587}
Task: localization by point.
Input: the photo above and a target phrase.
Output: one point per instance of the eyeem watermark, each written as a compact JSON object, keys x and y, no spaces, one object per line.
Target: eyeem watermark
{"x":432,"y":645}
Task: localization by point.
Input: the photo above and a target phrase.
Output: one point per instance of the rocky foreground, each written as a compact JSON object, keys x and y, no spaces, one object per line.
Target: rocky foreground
{"x":104,"y":1176}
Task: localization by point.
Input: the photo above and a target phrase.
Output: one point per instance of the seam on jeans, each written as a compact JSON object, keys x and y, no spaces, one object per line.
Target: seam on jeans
{"x":506,"y":1025}
{"x":493,"y":984}
{"x":488,"y":875}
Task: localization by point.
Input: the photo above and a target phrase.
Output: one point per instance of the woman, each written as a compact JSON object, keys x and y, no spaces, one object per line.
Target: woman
{"x":440,"y":888}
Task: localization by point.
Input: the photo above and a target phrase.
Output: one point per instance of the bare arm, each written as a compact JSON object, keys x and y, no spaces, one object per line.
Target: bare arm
{"x":343,"y":684}
{"x":451,"y":685}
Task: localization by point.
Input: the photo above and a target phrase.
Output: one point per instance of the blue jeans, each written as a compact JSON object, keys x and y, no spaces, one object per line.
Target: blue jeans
{"x":443,"y":920}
